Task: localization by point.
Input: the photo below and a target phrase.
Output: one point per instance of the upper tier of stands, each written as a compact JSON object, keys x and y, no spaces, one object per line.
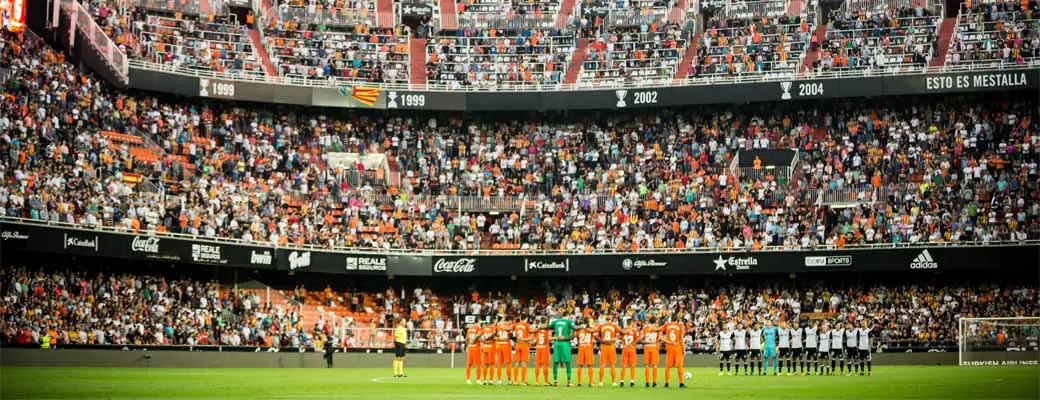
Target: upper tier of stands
{"x":586,"y":43}
{"x":917,"y":170}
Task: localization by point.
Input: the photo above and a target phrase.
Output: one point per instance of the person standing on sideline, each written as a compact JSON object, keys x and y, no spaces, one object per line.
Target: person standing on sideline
{"x":329,"y":350}
{"x":400,"y":345}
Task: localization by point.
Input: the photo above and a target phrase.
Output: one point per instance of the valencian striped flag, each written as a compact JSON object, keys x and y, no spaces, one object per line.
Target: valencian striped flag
{"x":363,"y":95}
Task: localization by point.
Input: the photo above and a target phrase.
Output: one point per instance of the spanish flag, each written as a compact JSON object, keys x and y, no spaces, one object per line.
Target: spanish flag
{"x":132,"y":178}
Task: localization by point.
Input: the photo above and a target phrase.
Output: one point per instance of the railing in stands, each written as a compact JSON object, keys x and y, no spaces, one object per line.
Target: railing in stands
{"x":503,"y":252}
{"x":83,"y":21}
{"x":647,"y":83}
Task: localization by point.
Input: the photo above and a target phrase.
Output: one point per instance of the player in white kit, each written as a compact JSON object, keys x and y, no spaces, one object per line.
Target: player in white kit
{"x":864,"y":348}
{"x":740,"y":349}
{"x":797,"y":364}
{"x":851,"y":336}
{"x":812,"y":350}
{"x":836,"y":354}
{"x":755,"y":351}
{"x":825,"y":349}
{"x":784,"y":346}
{"x":725,"y":347}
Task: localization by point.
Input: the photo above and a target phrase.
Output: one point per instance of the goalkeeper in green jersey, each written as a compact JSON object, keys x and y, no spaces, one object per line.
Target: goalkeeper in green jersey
{"x":562,"y":333}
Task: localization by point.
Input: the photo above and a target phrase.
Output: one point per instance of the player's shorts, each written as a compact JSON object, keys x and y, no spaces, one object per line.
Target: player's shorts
{"x":784,"y":352}
{"x":823,"y":354}
{"x":673,"y":357}
{"x":523,"y":353}
{"x":504,"y":353}
{"x":488,"y":355}
{"x":837,"y":354}
{"x":561,"y":352}
{"x":796,"y":353}
{"x":628,"y":357}
{"x":812,"y":353}
{"x":651,"y":356}
{"x":541,"y":356}
{"x":399,"y":349}
{"x":586,"y":356}
{"x":473,"y":355}
{"x":725,"y":355}
{"x":864,"y":354}
{"x":851,"y":353}
{"x":608,"y":355}
{"x":755,"y":354}
{"x":741,"y":355}
{"x":769,"y":352}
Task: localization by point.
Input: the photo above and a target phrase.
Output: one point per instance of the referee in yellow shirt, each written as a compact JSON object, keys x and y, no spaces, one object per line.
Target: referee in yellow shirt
{"x":400,"y":345}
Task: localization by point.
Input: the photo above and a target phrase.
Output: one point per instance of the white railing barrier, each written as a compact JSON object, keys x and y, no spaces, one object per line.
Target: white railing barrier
{"x":451,"y":252}
{"x":97,"y":39}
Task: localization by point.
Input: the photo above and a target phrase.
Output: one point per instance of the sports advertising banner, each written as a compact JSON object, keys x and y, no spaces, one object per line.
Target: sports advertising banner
{"x":15,"y":236}
{"x":601,"y":99}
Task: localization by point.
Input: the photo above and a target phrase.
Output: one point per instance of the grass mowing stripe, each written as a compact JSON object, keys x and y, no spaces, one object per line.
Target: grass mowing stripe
{"x":905,"y":382}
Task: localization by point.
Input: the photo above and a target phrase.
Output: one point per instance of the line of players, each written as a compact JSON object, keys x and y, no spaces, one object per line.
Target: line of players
{"x":504,"y":344}
{"x":800,"y":350}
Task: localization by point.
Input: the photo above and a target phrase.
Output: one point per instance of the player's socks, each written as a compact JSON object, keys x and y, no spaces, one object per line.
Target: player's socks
{"x":556,"y":372}
{"x":655,"y":375}
{"x":568,"y":373}
{"x":524,"y":377}
{"x":579,"y":376}
{"x":870,"y":367}
{"x":720,"y":366}
{"x":590,"y":375}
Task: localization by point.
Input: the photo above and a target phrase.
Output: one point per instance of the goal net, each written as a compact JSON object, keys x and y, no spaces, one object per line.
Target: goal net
{"x":998,"y":341}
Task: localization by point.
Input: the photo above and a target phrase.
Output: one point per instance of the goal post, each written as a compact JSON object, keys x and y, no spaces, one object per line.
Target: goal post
{"x":998,"y":341}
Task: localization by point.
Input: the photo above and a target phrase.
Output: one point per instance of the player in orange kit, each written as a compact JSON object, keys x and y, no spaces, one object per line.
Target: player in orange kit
{"x":542,"y":340}
{"x":673,"y":340}
{"x":473,"y":334}
{"x":503,"y":349}
{"x":607,"y":334}
{"x":586,"y":356}
{"x":487,"y":351}
{"x":651,"y":350}
{"x":523,"y":339}
{"x":629,"y":339}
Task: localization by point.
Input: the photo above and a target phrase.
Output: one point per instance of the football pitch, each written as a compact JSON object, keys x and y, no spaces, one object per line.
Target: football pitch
{"x":927,"y":382}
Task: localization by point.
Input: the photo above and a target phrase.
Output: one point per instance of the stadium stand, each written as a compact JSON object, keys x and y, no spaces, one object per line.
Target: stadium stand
{"x":195,"y":44}
{"x":996,"y":32}
{"x":910,"y":171}
{"x":88,"y":307}
{"x":886,"y":39}
{"x":491,"y":57}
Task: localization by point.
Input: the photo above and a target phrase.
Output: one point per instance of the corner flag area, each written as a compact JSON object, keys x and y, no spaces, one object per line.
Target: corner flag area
{"x":931,"y":382}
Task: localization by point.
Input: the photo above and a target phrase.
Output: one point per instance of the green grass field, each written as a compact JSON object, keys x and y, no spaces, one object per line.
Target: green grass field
{"x":936,"y":382}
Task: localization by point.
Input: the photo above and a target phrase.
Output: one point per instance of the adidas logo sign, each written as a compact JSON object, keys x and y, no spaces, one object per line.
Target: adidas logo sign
{"x":924,"y":261}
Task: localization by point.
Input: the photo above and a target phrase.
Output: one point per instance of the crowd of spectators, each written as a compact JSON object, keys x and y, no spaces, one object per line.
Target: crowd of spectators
{"x":752,"y":46}
{"x":881,"y":39}
{"x":84,"y":307}
{"x":1006,"y":32}
{"x":635,"y":53}
{"x":359,"y":53}
{"x":933,"y":170}
{"x":197,"y":42}
{"x":76,"y":307}
{"x":492,"y":57}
